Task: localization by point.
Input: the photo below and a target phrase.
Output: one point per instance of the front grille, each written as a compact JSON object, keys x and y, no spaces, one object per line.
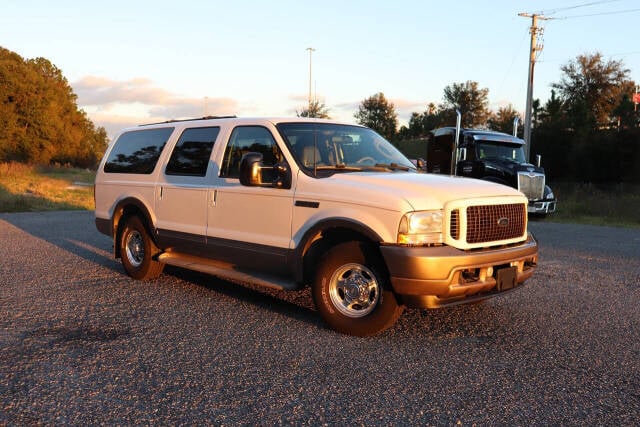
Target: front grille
{"x":531,"y":185}
{"x":454,"y":224}
{"x":495,"y":222}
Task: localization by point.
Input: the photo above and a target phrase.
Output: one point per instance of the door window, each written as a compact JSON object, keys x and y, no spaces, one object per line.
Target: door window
{"x":246,"y":139}
{"x":191,"y":154}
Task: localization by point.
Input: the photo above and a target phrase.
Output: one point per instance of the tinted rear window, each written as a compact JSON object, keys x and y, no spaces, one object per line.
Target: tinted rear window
{"x":137,"y":151}
{"x":191,"y":154}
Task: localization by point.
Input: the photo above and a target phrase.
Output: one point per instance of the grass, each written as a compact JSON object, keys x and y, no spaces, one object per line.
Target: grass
{"x":25,"y":188}
{"x":608,"y":204}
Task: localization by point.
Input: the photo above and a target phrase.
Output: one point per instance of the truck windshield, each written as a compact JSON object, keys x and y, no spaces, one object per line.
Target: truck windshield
{"x":494,"y":150}
{"x":332,"y":148}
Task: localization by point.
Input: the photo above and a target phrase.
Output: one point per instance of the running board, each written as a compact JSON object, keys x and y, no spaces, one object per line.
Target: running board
{"x":227,"y":271}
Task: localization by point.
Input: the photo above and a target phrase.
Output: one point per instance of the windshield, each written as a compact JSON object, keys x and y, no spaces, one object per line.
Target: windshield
{"x":320,"y":147}
{"x":493,"y":150}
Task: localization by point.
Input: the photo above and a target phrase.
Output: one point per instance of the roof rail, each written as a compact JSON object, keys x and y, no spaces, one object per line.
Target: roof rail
{"x":190,"y":120}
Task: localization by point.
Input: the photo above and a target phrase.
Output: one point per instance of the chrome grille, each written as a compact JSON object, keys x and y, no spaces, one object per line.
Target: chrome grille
{"x":495,"y":222}
{"x":531,"y":185}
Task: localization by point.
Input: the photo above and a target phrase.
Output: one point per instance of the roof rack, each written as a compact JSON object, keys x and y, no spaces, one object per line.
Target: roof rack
{"x":190,"y":120}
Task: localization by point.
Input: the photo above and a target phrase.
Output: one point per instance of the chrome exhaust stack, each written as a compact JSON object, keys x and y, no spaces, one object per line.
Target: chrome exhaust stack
{"x":515,"y":126}
{"x":454,"y":152}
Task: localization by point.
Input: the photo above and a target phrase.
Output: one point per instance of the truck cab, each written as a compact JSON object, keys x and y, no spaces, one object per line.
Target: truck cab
{"x":491,"y":156}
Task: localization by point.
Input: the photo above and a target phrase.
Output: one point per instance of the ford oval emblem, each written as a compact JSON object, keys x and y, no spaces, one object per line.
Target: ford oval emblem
{"x":503,"y":222}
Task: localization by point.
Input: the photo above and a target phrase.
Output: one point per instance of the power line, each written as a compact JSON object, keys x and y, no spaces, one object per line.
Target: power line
{"x":593,"y":3}
{"x":617,"y":12}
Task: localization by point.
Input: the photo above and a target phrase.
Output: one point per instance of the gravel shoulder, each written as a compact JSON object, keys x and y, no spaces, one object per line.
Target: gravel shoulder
{"x":81,"y":343}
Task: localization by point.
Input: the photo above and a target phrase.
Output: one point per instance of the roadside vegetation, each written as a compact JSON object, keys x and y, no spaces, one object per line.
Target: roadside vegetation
{"x":606,"y":204}
{"x":587,"y":134}
{"x":25,"y":188}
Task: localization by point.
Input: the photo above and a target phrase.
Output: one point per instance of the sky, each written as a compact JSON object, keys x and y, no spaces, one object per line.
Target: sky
{"x":133,"y":62}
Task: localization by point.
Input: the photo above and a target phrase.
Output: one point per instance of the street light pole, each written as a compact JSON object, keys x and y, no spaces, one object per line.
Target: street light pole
{"x":311,"y":50}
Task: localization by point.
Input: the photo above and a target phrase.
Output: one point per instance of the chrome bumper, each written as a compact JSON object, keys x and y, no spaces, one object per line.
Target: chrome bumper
{"x":541,"y":207}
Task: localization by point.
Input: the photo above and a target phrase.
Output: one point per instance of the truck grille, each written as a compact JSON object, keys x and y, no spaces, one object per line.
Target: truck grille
{"x":531,"y":185}
{"x":495,"y":222}
{"x":490,"y":223}
{"x":454,"y":224}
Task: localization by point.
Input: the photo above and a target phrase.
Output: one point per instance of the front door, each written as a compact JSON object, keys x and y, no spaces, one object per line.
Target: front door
{"x":250,"y":226}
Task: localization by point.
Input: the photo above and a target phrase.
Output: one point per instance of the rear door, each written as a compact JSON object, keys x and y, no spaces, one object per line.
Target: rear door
{"x":183,"y":188}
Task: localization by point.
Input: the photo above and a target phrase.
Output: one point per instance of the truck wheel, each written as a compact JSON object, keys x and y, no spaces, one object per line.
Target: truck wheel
{"x":137,"y":251}
{"x":352,"y":292}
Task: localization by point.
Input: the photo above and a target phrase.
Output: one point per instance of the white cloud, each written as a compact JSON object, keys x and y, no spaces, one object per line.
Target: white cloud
{"x":116,"y":104}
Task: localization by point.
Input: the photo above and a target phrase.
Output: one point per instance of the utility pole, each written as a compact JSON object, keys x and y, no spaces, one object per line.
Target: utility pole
{"x":311,"y":50}
{"x":535,"y":49}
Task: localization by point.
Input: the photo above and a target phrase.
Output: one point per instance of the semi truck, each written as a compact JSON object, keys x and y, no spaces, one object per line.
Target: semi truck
{"x":491,"y":156}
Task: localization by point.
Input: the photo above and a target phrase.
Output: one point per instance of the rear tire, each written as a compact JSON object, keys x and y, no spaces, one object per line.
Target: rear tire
{"x":137,"y":250}
{"x":352,"y":292}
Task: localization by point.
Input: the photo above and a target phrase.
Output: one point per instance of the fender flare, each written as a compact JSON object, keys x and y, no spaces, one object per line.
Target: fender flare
{"x":119,"y":212}
{"x":320,"y":227}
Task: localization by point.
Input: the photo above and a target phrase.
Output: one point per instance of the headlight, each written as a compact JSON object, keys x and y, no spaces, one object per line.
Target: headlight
{"x":420,"y":228}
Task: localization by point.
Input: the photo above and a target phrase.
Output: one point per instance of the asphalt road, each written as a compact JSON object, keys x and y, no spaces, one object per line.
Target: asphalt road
{"x":81,"y":343}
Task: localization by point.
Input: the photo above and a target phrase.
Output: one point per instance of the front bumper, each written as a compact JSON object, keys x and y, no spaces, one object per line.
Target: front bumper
{"x":431,"y":277}
{"x":542,"y":207}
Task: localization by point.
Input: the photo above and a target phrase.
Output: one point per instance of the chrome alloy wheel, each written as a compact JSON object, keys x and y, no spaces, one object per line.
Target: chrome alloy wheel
{"x":135,"y":248}
{"x":354,"y":290}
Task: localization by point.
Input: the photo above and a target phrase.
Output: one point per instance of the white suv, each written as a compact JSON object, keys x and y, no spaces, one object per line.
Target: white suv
{"x":293,"y":202}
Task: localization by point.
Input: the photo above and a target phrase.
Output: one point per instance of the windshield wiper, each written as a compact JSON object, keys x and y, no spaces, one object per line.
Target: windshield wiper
{"x":393,"y":166}
{"x":339,"y":167}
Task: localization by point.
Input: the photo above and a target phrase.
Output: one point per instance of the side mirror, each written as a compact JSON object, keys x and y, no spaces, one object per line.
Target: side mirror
{"x":251,"y":169}
{"x":462,"y":154}
{"x":538,"y":160}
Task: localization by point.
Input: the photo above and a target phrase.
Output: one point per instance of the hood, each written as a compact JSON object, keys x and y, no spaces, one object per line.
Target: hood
{"x":399,"y":191}
{"x":511,"y":168}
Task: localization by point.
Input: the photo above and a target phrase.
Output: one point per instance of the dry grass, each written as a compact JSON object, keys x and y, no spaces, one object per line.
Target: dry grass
{"x":25,"y":188}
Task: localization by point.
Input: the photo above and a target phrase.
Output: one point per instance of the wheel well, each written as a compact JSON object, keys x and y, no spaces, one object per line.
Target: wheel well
{"x":119,"y":219}
{"x":323,"y":240}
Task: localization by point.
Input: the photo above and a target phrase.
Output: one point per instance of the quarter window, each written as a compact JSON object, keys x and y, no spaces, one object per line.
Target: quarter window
{"x":137,"y":151}
{"x":191,"y":154}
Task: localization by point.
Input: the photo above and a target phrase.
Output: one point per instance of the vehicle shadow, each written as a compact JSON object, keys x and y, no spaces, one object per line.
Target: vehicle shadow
{"x":293,"y":304}
{"x":75,"y":233}
{"x":71,"y":231}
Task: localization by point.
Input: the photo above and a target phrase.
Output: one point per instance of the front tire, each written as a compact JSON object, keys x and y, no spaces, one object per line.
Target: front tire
{"x":137,"y":251}
{"x":352,"y":292}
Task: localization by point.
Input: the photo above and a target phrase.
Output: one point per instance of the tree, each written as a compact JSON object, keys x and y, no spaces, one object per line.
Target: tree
{"x":503,"y":120}
{"x":316,"y":110}
{"x":626,"y":116}
{"x":420,"y":124}
{"x":39,"y":119}
{"x":592,"y":88}
{"x":378,"y":114}
{"x":472,"y":102}
{"x":553,"y":112}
